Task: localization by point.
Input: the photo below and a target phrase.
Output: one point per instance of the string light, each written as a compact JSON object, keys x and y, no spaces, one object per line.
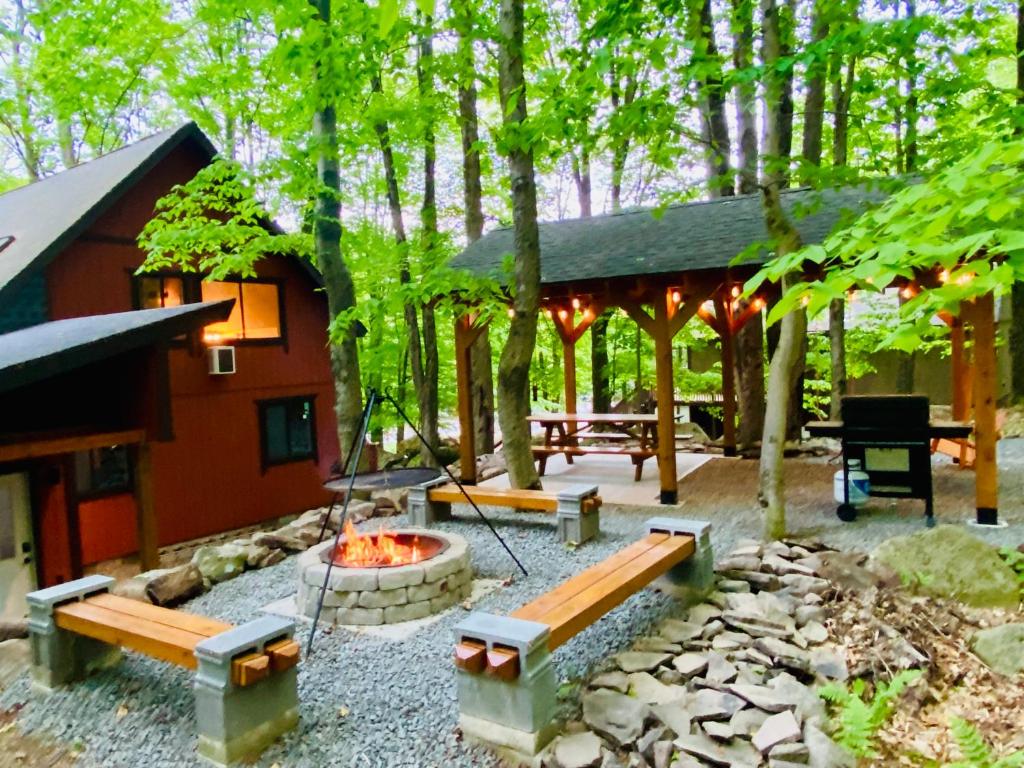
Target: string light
{"x":575,"y":303}
{"x":708,"y":306}
{"x":907,"y":292}
{"x":805,"y":300}
{"x":944,"y":276}
{"x":735,"y":291}
{"x":759,"y":303}
{"x":511,"y":312}
{"x":676,"y":297}
{"x":563,"y":314}
{"x":547,"y":313}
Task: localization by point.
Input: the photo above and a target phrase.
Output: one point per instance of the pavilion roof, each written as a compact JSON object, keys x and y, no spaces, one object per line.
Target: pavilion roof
{"x":686,"y":237}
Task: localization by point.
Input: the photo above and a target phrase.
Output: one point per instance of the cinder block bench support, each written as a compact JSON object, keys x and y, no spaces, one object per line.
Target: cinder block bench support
{"x":506,"y":682}
{"x":60,"y":656}
{"x":694,"y":578}
{"x":423,"y":512}
{"x":236,"y":721}
{"x":578,"y":519}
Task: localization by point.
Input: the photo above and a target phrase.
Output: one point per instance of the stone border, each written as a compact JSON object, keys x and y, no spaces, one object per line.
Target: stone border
{"x":374,"y":596}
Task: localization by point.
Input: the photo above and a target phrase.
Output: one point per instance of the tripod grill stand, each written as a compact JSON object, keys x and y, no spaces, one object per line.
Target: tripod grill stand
{"x":351,"y":467}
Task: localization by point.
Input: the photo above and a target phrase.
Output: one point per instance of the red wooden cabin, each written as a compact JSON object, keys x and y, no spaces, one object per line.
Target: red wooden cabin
{"x":244,"y":447}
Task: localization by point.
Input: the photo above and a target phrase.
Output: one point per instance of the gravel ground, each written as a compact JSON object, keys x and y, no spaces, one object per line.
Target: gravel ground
{"x":369,"y":702}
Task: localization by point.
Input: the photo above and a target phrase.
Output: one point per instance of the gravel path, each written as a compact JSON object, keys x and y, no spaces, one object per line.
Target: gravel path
{"x":369,"y":702}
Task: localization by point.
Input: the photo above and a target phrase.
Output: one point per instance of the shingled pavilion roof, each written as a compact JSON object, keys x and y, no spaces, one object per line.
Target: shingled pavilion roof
{"x":678,"y":238}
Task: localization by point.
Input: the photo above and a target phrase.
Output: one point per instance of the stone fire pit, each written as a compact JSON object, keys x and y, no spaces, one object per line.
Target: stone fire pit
{"x":388,"y":594}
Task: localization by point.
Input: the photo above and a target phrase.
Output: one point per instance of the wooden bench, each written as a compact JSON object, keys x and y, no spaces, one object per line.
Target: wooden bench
{"x":246,"y":685}
{"x":506,"y":681}
{"x":637,"y":455}
{"x":577,"y":507}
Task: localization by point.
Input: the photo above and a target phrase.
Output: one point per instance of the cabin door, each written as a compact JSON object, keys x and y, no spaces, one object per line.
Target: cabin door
{"x":17,"y":571}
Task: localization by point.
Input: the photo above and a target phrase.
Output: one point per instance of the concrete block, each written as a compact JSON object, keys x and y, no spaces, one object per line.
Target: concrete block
{"x":59,"y":656}
{"x":422,"y":511}
{"x":520,"y":712}
{"x":694,"y":578}
{"x":573,"y":525}
{"x":236,"y":722}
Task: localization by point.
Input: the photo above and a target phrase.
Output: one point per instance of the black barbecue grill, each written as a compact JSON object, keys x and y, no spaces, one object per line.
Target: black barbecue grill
{"x":891,"y":435}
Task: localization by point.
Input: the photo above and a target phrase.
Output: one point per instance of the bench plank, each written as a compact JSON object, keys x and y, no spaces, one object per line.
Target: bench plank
{"x":190,"y":622}
{"x":592,"y":603}
{"x":160,"y":641}
{"x":568,"y":591}
{"x":503,"y":497}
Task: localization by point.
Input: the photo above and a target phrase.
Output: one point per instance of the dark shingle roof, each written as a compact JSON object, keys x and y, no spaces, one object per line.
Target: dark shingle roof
{"x":685,"y":237}
{"x":48,"y":214}
{"x":37,"y":353}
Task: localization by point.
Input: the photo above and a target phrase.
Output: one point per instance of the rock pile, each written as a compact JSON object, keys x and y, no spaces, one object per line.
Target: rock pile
{"x":213,"y":564}
{"x":731,"y":685}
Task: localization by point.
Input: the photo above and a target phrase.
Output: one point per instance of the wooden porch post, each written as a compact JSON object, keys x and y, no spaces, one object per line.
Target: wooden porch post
{"x":464,"y":338}
{"x":662,"y":333}
{"x":148,"y":533}
{"x":723,"y":313}
{"x":985,"y":393}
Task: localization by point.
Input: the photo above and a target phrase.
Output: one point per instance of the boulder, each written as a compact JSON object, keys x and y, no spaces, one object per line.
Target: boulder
{"x":579,"y":750}
{"x":1001,"y":648}
{"x":735,"y":753}
{"x":641,"y":661}
{"x":254,"y":553}
{"x":777,"y":729}
{"x":949,"y":562}
{"x":277,"y":540}
{"x":618,"y":718}
{"x":823,"y":752}
{"x":175,"y":585}
{"x":135,"y":587}
{"x":273,"y":557}
{"x":220,"y":563}
{"x":13,"y":629}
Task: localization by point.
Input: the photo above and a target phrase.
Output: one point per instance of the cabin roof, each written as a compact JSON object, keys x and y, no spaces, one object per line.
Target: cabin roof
{"x":45,"y":216}
{"x":677,"y":238}
{"x":49,"y":349}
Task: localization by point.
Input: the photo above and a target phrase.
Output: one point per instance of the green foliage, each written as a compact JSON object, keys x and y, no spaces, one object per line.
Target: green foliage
{"x":859,"y":718}
{"x":1015,"y":560}
{"x":976,"y":751}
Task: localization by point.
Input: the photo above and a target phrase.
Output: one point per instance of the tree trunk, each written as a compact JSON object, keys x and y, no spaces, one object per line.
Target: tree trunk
{"x":746,"y":95}
{"x":341,"y":294}
{"x":711,"y":99}
{"x":814,"y":103}
{"x":837,"y":345}
{"x":786,"y":361}
{"x":905,"y":373}
{"x":749,"y":344}
{"x":428,"y":391}
{"x":514,"y":368}
{"x":481,"y":366}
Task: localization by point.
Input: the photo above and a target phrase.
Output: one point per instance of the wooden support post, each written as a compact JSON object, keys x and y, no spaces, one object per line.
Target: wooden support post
{"x":569,"y":369}
{"x":986,"y":391}
{"x":723,"y":326}
{"x":148,"y":533}
{"x":464,"y":338}
{"x":664,"y":309}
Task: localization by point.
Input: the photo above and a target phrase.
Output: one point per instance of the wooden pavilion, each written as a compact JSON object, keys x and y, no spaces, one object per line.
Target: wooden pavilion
{"x":666,"y":266}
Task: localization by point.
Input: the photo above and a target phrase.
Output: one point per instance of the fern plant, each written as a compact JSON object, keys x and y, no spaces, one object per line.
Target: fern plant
{"x":1015,"y":560}
{"x":859,"y":719}
{"x":977,"y":753}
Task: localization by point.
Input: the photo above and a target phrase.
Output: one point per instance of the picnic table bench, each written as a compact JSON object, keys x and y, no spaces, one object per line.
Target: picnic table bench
{"x":506,"y":681}
{"x":576,"y":507}
{"x":246,"y":689}
{"x":563,"y":433}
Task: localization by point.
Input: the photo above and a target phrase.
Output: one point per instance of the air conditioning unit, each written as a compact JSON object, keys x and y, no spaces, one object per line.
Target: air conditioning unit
{"x":222,"y":360}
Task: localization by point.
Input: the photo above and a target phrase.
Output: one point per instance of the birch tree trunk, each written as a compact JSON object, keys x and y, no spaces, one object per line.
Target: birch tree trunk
{"x":514,"y":368}
{"x":341,"y":295}
{"x":481,"y":366}
{"x":786,"y":360}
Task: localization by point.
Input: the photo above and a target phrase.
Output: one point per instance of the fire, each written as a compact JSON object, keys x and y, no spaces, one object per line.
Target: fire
{"x":373,"y":551}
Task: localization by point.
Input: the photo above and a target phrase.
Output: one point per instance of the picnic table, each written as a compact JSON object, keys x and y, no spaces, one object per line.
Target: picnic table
{"x":565,"y":434}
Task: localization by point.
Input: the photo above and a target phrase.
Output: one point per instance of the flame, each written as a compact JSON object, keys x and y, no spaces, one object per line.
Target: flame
{"x":369,"y":551}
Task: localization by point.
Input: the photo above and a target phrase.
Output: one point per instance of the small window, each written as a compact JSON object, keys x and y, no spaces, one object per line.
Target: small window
{"x":103,"y":471}
{"x":287,"y":430}
{"x":255,"y":316}
{"x":157,"y":291}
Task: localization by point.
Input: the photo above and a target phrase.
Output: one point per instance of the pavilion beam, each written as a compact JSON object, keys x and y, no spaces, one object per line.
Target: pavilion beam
{"x":466,"y":332}
{"x":986,"y":391}
{"x":664,"y":309}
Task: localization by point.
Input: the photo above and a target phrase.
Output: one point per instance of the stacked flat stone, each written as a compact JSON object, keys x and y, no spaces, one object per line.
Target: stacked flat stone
{"x":732,"y":684}
{"x":374,"y":596}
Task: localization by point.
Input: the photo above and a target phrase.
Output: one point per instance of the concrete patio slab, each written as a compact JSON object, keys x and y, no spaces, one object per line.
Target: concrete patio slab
{"x":612,"y":474}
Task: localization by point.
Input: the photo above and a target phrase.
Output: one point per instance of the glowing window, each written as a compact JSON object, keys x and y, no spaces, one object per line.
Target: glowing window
{"x":256,"y":314}
{"x":160,"y":291}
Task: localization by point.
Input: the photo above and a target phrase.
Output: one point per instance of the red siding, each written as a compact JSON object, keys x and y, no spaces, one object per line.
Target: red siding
{"x":107,"y":527}
{"x":209,"y":478}
{"x":51,"y":507}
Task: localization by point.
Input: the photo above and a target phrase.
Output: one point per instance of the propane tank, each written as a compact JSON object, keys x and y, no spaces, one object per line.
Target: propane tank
{"x":859,"y":484}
